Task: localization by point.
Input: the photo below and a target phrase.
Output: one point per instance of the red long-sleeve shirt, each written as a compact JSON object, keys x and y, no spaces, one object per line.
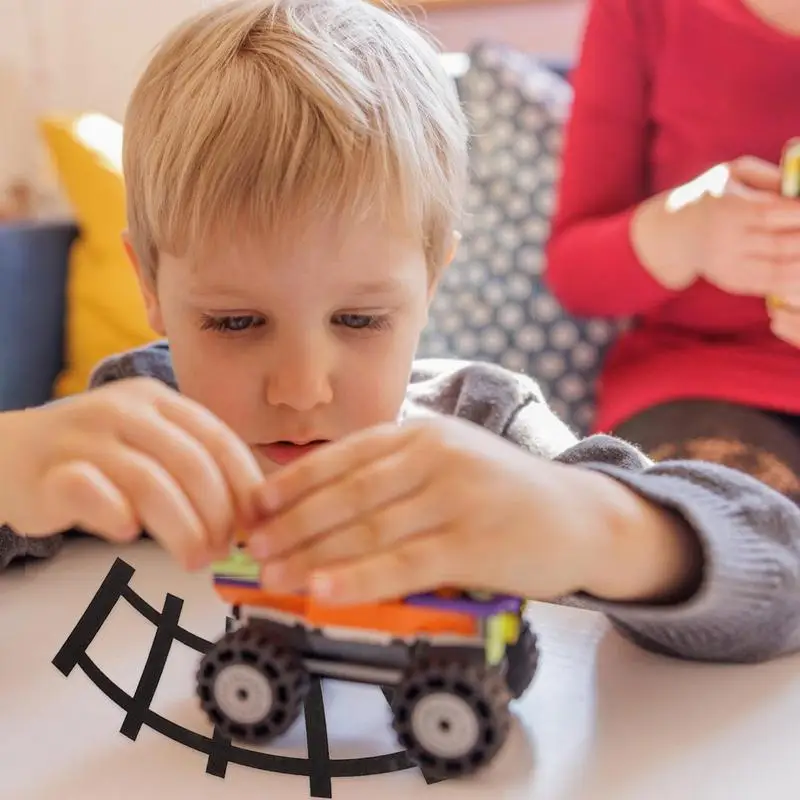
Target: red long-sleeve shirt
{"x":665,"y":89}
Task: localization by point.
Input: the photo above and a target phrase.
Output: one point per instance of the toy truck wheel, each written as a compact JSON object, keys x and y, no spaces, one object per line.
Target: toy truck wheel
{"x":451,"y":716}
{"x":251,"y":687}
{"x":522,"y":661}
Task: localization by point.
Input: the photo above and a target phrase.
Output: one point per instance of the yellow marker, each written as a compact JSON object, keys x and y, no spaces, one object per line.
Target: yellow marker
{"x":790,"y":187}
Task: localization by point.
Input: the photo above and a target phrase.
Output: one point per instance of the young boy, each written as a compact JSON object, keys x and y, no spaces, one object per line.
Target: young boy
{"x":294,"y":174}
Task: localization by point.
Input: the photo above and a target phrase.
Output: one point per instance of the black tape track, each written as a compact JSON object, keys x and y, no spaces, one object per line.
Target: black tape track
{"x":319,"y":767}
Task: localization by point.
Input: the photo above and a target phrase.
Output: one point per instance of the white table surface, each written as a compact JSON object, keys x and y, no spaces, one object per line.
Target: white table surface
{"x":602,"y":721}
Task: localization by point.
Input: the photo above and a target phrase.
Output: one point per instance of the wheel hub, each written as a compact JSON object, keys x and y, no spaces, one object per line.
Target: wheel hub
{"x":243,"y":694}
{"x":445,"y":725}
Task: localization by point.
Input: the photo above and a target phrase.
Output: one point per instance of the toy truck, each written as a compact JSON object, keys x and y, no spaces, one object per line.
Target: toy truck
{"x":454,"y":660}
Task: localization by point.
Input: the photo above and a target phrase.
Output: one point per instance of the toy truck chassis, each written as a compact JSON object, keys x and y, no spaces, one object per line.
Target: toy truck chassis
{"x":454,"y":660}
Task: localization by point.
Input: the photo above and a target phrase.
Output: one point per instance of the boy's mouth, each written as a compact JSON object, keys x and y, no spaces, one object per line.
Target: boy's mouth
{"x":285,"y":451}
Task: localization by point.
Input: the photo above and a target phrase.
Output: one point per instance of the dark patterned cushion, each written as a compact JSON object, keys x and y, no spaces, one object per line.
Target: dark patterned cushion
{"x":492,"y":304}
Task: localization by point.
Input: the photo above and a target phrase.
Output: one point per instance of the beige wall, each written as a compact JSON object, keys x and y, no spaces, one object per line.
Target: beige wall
{"x":549,"y":27}
{"x":66,"y":55}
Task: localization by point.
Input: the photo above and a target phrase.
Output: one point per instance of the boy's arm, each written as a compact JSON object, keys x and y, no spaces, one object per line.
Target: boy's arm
{"x":13,"y":546}
{"x":742,"y":601}
{"x":745,"y":604}
{"x":151,"y":361}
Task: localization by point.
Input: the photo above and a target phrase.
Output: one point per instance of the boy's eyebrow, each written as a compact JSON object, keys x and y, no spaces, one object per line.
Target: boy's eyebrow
{"x":383,"y":286}
{"x":213,"y":292}
{"x":364,"y":289}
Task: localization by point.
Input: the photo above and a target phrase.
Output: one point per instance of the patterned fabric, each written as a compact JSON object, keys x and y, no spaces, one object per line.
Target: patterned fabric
{"x":492,"y":304}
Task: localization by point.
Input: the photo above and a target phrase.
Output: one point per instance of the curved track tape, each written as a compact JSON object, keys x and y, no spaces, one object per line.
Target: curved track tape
{"x":319,"y":767}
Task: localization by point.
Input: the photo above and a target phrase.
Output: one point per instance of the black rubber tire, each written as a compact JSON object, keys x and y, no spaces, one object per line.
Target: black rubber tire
{"x":485,"y":698}
{"x":522,"y":661}
{"x":269,"y":663}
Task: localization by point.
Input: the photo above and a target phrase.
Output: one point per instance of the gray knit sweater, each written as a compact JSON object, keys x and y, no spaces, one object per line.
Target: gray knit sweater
{"x":748,"y":605}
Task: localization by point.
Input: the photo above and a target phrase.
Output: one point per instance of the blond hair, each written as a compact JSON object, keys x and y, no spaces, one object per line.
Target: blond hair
{"x":267,"y":113}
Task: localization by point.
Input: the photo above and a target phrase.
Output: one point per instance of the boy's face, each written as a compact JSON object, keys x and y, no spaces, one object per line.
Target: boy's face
{"x":303,"y":340}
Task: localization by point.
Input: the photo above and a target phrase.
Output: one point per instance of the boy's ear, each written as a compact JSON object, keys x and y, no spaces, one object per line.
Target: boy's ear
{"x":453,"y":247}
{"x":147,"y":288}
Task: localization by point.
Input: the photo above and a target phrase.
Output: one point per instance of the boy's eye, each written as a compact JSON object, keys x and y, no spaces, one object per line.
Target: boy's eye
{"x":362,"y":321}
{"x":232,"y":324}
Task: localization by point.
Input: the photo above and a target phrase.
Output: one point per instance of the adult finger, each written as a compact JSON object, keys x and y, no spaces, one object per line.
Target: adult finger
{"x":413,"y":516}
{"x":773,"y":246}
{"x":777,"y":215}
{"x":416,"y":565}
{"x":785,"y":281}
{"x":755,"y":173}
{"x":232,"y":455}
{"x":770,"y":265}
{"x":329,"y":463}
{"x":785,"y":321}
{"x":355,"y":497}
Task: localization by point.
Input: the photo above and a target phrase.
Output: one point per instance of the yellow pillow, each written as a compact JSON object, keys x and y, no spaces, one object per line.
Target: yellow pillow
{"x":105,"y":313}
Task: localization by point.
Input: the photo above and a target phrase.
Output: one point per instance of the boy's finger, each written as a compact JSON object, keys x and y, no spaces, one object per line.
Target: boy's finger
{"x":414,"y":515}
{"x":417,"y":565}
{"x":329,"y":463}
{"x":192,"y":467}
{"x":232,"y":455}
{"x":85,"y":498}
{"x":159,"y":503}
{"x":354,"y":499}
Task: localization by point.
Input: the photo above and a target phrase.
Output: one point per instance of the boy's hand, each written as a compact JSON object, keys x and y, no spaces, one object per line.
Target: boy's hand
{"x":396,"y":510}
{"x":133,"y":455}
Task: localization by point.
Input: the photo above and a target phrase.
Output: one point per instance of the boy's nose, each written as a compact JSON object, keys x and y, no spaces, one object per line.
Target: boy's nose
{"x":299,"y":382}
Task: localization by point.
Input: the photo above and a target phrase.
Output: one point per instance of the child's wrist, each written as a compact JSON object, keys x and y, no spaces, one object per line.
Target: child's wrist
{"x":644,"y":552}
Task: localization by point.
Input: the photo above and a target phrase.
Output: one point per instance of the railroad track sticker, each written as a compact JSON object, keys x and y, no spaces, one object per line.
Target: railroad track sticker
{"x":318,"y":767}
{"x":103,"y":645}
{"x":98,"y":699}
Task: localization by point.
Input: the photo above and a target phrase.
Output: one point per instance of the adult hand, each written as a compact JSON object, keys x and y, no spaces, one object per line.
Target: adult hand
{"x":746,"y":235}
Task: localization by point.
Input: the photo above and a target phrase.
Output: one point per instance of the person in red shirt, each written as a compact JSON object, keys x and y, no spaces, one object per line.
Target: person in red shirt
{"x":670,"y":216}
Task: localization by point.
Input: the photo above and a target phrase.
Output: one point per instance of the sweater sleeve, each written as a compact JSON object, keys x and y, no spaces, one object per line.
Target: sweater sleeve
{"x":747,"y":608}
{"x":591,"y":266}
{"x":15,"y":547}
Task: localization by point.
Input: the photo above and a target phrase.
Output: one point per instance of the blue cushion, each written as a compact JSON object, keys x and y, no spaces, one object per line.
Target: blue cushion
{"x":33,"y":272}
